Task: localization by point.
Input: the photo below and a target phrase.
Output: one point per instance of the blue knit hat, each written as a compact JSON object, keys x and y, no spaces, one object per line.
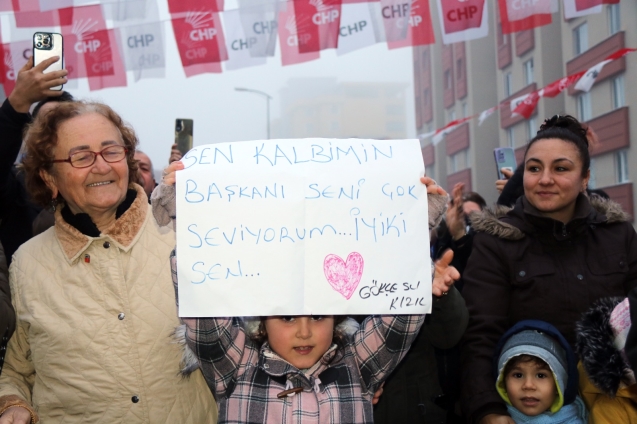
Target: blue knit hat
{"x":540,"y":345}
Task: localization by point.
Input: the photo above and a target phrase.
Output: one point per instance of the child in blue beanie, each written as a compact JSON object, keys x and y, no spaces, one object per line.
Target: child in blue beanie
{"x":533,"y":365}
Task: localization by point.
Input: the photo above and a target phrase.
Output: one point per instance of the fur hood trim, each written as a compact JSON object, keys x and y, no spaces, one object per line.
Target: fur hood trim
{"x":488,"y":221}
{"x":604,"y":364}
{"x":190,"y":363}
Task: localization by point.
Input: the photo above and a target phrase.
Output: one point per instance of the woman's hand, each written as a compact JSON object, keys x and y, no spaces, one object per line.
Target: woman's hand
{"x":15,"y":415}
{"x":497,"y":419}
{"x":444,"y":275}
{"x":168,"y":174}
{"x":499,"y":184}
{"x":455,"y":213}
{"x":432,"y":187}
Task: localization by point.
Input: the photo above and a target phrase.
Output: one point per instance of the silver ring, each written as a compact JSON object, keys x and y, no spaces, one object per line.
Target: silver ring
{"x":164,"y":173}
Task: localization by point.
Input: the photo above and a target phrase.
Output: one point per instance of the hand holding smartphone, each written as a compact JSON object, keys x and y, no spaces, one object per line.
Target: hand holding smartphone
{"x":504,"y":158}
{"x":45,"y":46}
{"x":183,"y":134}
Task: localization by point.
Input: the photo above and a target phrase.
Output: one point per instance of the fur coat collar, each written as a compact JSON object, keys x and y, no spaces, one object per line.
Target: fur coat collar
{"x":511,"y":223}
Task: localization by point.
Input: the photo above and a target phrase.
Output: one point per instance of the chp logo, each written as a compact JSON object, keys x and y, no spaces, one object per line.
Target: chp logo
{"x":84,"y":31}
{"x":403,"y":14}
{"x":293,"y":40}
{"x":202,"y":24}
{"x":324,"y":14}
{"x":8,"y":65}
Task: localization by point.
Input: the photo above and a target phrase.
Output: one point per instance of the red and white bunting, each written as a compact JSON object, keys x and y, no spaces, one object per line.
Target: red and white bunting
{"x":318,"y":21}
{"x":529,"y":14}
{"x":485,"y":114}
{"x":238,"y":44}
{"x":419,"y":27}
{"x":588,"y":79}
{"x":463,"y":20}
{"x":86,"y":43}
{"x":105,"y":67}
{"x":525,"y":104}
{"x":556,"y":87}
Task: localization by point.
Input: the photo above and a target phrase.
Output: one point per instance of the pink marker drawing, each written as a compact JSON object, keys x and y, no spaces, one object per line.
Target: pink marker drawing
{"x":344,"y":276}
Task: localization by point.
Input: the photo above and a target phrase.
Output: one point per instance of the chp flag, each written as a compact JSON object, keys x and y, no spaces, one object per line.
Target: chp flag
{"x":578,"y":8}
{"x":419,"y":28}
{"x":462,"y":20}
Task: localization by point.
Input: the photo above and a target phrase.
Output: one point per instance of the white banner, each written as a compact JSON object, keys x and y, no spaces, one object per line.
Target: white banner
{"x":296,"y":227}
{"x":356,"y":28}
{"x":238,"y":44}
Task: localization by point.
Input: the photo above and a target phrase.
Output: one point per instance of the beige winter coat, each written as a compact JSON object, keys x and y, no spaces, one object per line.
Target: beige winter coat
{"x":94,"y":322}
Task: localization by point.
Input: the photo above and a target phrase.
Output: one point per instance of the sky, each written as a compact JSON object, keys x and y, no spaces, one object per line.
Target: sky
{"x":222,"y":114}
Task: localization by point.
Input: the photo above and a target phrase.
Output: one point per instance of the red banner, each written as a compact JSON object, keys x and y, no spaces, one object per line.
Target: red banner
{"x":319,"y":22}
{"x":529,"y":13}
{"x":460,"y":15}
{"x":200,"y":41}
{"x":556,"y":87}
{"x":289,"y":40}
{"x":587,"y":4}
{"x":185,"y":6}
{"x":420,"y":31}
{"x":83,"y":29}
{"x":28,"y":15}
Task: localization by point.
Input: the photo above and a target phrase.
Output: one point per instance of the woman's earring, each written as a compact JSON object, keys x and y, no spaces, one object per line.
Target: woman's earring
{"x":54,"y":203}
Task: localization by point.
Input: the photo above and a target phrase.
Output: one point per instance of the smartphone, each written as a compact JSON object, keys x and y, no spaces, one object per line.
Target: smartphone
{"x":504,"y":158}
{"x":183,"y":134}
{"x":46,"y":45}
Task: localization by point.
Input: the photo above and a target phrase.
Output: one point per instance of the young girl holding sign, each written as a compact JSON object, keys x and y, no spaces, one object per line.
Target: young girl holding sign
{"x":302,"y":369}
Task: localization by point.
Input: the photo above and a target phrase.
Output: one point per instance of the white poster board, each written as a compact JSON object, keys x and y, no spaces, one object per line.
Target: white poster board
{"x":296,"y":227}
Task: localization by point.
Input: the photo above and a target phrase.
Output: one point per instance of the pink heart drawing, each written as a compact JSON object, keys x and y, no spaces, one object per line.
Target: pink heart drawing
{"x":344,"y":276}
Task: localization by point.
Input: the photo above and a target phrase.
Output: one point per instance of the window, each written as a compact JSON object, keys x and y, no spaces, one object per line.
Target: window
{"x":427,"y":96}
{"x":614,"y":19}
{"x":619,"y":99}
{"x":580,"y":39}
{"x":459,"y":69}
{"x":508,"y":84}
{"x":584,"y":107}
{"x":510,"y":137}
{"x":592,"y":181}
{"x":453,"y":163}
{"x":528,"y":72}
{"x":621,"y":164}
{"x":531,"y":128}
{"x":448,"y":79}
{"x":464,"y":109}
{"x":452,"y":115}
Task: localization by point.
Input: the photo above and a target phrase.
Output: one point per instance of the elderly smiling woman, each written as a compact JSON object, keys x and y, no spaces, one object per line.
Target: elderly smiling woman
{"x":93,"y":295}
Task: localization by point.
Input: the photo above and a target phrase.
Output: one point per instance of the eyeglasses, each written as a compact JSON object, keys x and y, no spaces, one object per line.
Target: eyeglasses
{"x":86,"y":158}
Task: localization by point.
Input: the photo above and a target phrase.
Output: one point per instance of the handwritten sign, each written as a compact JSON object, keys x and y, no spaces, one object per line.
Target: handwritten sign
{"x":295,"y":227}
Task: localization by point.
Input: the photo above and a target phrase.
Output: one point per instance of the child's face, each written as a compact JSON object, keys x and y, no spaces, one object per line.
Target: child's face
{"x":531,"y":387}
{"x":300,"y":340}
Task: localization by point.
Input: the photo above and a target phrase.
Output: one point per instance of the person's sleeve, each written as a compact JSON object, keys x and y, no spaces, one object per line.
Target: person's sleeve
{"x":513,"y":189}
{"x":217,"y":343}
{"x":12,"y":125}
{"x":18,"y":372}
{"x":631,"y":287}
{"x":448,"y":320}
{"x":381,"y":342}
{"x":7,"y":314}
{"x":486,"y":292}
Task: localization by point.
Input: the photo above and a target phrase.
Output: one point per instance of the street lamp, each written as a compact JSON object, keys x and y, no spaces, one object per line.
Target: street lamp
{"x":267,"y":98}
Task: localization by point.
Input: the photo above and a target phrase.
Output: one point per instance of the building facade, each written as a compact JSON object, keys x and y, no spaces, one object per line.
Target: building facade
{"x":467,"y":78}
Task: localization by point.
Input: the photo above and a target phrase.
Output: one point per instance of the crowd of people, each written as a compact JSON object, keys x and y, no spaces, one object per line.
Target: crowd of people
{"x":531,"y":310}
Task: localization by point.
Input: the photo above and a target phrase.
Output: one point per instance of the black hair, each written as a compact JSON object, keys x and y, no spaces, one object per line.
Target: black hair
{"x":474,"y":197}
{"x":567,"y":128}
{"x":65,"y":97}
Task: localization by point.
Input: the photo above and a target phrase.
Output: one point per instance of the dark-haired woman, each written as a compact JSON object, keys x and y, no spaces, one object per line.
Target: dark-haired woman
{"x":548,"y":258}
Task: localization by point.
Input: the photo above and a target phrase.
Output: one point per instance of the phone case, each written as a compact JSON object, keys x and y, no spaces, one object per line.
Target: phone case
{"x":183,"y":134}
{"x":504,"y":158}
{"x":43,"y":50}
